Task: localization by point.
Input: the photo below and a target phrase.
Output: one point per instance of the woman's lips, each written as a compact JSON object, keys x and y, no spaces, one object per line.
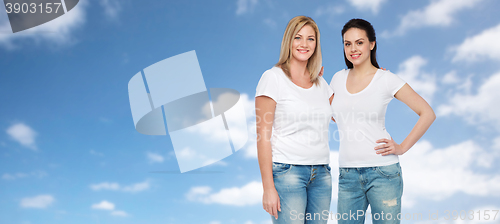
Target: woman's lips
{"x":355,"y":56}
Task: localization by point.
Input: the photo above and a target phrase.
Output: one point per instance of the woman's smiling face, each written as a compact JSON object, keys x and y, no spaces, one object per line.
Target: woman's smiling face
{"x":357,"y":47}
{"x":304,"y":44}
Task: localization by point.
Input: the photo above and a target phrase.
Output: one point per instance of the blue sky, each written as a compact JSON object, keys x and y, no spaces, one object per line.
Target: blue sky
{"x":69,"y":152}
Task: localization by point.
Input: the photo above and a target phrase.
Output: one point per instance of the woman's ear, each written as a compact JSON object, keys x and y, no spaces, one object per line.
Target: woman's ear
{"x":372,"y":45}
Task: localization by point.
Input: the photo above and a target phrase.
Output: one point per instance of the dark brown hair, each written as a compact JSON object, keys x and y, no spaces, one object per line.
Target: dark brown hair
{"x":370,"y":33}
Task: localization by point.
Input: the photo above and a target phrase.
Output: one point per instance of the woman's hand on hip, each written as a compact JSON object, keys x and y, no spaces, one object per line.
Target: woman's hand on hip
{"x":390,"y":147}
{"x":271,"y":202}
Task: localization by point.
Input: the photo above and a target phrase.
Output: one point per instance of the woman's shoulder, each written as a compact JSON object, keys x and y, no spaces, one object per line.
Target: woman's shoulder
{"x":340,"y":73}
{"x":386,"y":74}
{"x":273,"y":72}
{"x":322,"y":81}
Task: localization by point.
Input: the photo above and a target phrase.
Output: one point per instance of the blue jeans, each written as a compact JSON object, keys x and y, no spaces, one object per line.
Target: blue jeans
{"x":380,"y":187}
{"x":305,"y":193}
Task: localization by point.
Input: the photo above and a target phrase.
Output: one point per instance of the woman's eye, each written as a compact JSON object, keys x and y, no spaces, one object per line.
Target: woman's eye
{"x":347,"y":44}
{"x":360,"y":43}
{"x":311,"y":39}
{"x":297,"y":38}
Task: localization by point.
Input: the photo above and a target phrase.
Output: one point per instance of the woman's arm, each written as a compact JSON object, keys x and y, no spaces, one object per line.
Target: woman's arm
{"x":264,"y":111}
{"x":331,"y":99}
{"x":408,"y":96}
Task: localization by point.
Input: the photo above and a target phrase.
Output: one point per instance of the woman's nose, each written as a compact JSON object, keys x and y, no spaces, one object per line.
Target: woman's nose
{"x":303,"y":43}
{"x":353,"y":48}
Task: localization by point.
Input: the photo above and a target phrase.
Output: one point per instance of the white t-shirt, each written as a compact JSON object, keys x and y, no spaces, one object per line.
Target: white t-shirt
{"x":360,"y":118}
{"x":301,"y":118}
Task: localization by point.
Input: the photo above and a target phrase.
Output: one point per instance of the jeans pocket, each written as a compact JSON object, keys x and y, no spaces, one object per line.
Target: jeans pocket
{"x":390,"y":171}
{"x":327,"y":168}
{"x":279,"y":169}
{"x":341,"y":172}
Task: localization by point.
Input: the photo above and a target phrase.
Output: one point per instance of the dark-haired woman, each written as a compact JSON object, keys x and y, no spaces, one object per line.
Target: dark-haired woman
{"x":370,"y":173}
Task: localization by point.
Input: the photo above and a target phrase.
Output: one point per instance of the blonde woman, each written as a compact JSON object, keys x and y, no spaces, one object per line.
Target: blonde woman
{"x":293,"y":112}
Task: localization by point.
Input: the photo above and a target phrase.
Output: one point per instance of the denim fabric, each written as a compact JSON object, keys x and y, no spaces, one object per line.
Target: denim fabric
{"x":380,"y":187}
{"x":305,"y":193}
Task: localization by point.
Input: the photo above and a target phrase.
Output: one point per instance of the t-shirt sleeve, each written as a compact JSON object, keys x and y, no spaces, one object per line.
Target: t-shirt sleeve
{"x":331,"y":83}
{"x":268,"y":86}
{"x":394,"y":83}
{"x":335,"y":79}
{"x":324,"y":85}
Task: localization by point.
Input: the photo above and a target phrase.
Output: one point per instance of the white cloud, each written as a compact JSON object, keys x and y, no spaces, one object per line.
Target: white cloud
{"x":238,"y":130}
{"x":496,"y":143}
{"x":186,"y":153}
{"x":458,"y":84}
{"x":270,"y":22}
{"x":95,"y":153}
{"x":109,"y":206}
{"x":37,"y":174}
{"x":423,"y":83}
{"x":137,"y":187}
{"x":248,"y":105}
{"x":367,"y":5}
{"x":40,"y":201}
{"x":195,"y":191}
{"x":56,"y":32}
{"x":105,"y":186}
{"x":189,"y":155}
{"x":23,"y":134}
{"x":481,"y":46}
{"x":111,"y":8}
{"x":250,"y":194}
{"x":437,"y":174}
{"x":208,"y":133}
{"x":439,"y":13}
{"x":154,"y":157}
{"x":8,"y":176}
{"x":119,"y":213}
{"x":481,"y":107}
{"x":450,"y":78}
{"x":251,"y":149}
{"x":213,"y":132}
{"x":244,"y":6}
{"x":105,"y":120}
{"x":104,"y":205}
{"x":329,"y":10}
{"x":215,"y":222}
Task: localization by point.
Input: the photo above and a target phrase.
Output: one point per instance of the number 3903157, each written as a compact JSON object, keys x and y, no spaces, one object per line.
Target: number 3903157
{"x":32,"y":7}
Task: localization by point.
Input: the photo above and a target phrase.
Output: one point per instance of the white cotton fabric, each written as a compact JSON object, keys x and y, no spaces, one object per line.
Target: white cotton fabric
{"x":360,"y":118}
{"x":302,"y":116}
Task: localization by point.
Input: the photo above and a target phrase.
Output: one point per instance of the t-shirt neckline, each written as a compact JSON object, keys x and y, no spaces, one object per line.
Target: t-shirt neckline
{"x":368,"y":86}
{"x":287,"y":78}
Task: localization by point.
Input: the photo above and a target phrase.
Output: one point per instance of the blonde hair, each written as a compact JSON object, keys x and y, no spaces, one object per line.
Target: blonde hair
{"x":314,"y":62}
